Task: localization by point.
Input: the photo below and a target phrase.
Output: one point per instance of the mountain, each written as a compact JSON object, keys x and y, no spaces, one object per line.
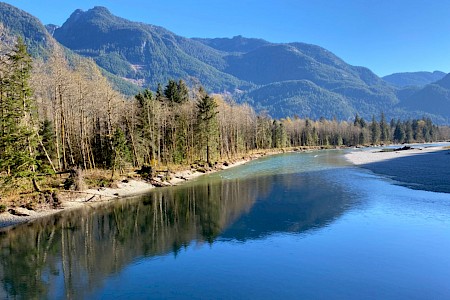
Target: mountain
{"x":303,"y":97}
{"x":40,"y":43}
{"x":16,"y":22}
{"x":234,"y":45}
{"x":414,"y":78}
{"x":433,"y":98}
{"x":145,"y":54}
{"x":278,"y":63}
{"x":283,"y":79}
{"x":148,"y":54}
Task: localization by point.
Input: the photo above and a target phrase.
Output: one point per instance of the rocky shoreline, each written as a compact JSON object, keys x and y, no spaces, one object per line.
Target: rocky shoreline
{"x":125,"y":188}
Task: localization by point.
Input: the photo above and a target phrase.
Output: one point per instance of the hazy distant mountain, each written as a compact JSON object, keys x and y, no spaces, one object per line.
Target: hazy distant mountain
{"x":283,"y":79}
{"x":303,"y":97}
{"x":414,"y":78}
{"x":433,"y":98}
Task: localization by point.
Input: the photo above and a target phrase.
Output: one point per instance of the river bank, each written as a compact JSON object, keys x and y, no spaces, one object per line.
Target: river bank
{"x":126,"y":187}
{"x":422,"y":167}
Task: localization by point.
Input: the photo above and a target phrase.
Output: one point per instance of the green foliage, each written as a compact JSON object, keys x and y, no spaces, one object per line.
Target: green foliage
{"x":207,"y":129}
{"x":279,"y":135}
{"x":375,"y":131}
{"x":18,"y":136}
{"x":122,"y":154}
{"x":384,"y":129}
{"x":176,"y":92}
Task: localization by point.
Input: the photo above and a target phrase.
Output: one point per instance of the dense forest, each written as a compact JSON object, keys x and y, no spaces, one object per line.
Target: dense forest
{"x":59,"y":115}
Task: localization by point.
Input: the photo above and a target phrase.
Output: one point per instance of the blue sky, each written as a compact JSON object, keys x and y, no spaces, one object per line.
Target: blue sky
{"x":386,"y":36}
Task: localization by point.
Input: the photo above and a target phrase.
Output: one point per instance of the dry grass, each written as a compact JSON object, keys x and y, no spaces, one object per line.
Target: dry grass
{"x":20,"y":192}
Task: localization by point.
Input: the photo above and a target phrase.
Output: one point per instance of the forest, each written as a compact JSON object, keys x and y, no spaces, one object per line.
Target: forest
{"x":59,"y":115}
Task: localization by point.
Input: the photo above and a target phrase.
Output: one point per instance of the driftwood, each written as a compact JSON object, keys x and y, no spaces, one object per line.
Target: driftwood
{"x":89,"y":193}
{"x":56,"y":173}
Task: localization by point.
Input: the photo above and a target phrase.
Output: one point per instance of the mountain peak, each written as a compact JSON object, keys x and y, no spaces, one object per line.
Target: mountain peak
{"x":101,"y":9}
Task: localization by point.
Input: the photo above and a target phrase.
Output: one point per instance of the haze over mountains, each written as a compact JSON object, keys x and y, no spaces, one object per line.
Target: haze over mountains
{"x":414,"y":78}
{"x":282,"y":79}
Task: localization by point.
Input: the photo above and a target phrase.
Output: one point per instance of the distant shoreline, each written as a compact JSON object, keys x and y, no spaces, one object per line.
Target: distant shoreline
{"x":421,"y":168}
{"x":371,"y":155}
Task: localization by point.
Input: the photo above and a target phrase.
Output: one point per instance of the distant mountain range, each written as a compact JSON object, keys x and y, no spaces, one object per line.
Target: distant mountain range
{"x":282,"y":79}
{"x":414,"y":78}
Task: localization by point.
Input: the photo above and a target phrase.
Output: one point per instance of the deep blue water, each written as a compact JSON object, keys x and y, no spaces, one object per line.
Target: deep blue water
{"x":291,"y":226}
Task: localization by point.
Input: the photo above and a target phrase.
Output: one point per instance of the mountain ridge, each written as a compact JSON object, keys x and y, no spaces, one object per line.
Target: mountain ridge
{"x":149,"y":53}
{"x":406,"y":79}
{"x":284,"y":79}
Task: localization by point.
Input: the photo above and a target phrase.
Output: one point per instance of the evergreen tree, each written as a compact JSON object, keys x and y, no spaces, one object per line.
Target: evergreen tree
{"x":171,"y":91}
{"x":357,"y":121}
{"x":207,"y":128}
{"x":384,"y":129}
{"x":399,"y":132}
{"x":409,"y":134}
{"x":183,"y":92}
{"x":122,"y":154}
{"x":375,"y":131}
{"x":159,"y":92}
{"x":147,"y":126}
{"x":18,"y":134}
{"x":177,"y":92}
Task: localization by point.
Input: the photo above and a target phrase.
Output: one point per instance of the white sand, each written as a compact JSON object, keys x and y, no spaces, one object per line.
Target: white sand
{"x":368,"y":156}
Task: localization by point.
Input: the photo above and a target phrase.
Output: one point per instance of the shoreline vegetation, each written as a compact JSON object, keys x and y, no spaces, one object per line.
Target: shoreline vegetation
{"x":134,"y":185}
{"x":127,"y":185}
{"x":64,"y":129}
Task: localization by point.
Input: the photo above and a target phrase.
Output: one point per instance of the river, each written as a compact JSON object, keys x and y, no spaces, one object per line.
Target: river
{"x":289,"y":226}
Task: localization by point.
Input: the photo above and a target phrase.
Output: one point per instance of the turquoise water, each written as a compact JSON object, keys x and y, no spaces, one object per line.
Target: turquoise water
{"x":291,"y":226}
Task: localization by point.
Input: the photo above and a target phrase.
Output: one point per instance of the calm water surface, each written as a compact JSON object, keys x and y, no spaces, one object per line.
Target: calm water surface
{"x":292,"y":226}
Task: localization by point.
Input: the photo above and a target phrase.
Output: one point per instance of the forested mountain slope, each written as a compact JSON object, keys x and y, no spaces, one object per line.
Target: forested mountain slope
{"x":414,"y":78}
{"x":282,"y":79}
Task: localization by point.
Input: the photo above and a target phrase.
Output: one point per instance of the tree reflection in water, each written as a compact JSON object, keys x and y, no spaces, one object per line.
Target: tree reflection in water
{"x":71,"y":254}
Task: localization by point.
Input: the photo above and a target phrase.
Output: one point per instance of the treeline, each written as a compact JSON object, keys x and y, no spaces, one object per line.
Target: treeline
{"x":60,"y":115}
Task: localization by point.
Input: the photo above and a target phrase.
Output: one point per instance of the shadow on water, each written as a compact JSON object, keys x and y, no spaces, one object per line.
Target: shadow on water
{"x":428,"y":171}
{"x":69,"y":255}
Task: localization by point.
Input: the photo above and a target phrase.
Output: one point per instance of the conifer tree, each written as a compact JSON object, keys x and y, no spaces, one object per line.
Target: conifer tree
{"x":375,"y":131}
{"x":384,"y":129}
{"x":18,"y":133}
{"x":207,"y":129}
{"x":122,"y":154}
